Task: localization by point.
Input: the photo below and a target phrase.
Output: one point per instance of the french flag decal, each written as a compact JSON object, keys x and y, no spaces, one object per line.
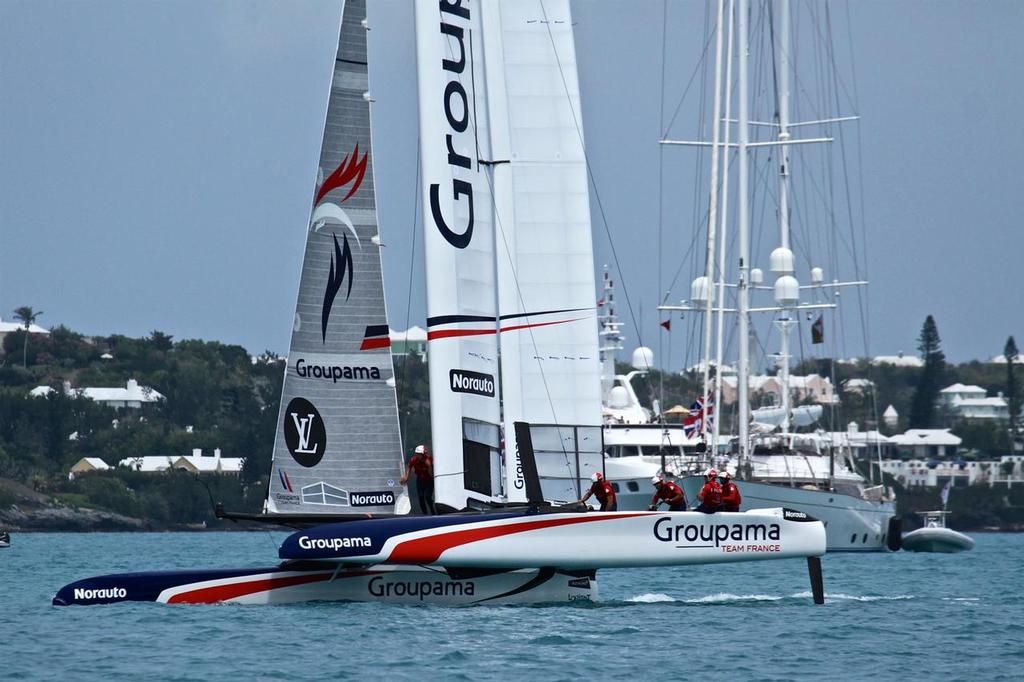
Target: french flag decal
{"x":285,"y":481}
{"x":376,"y":336}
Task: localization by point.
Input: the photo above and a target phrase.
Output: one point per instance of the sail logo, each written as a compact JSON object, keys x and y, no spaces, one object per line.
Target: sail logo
{"x":307,"y":370}
{"x":350,"y":173}
{"x":478,"y":383}
{"x":304,"y":432}
{"x":456,"y":111}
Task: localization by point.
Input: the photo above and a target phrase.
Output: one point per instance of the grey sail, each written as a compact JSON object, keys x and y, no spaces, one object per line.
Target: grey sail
{"x":338,"y":447}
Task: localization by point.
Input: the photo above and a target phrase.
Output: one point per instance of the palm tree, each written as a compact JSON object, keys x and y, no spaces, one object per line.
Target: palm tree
{"x":28,"y":317}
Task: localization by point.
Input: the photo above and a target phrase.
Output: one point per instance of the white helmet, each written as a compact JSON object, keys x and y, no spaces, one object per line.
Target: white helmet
{"x":421,"y":449}
{"x":725,"y":474}
{"x":711,"y":473}
{"x":596,"y":476}
{"x":656,"y":480}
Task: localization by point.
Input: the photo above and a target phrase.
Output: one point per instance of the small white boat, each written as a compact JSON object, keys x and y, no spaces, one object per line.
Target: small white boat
{"x":5,"y":539}
{"x":935,"y":537}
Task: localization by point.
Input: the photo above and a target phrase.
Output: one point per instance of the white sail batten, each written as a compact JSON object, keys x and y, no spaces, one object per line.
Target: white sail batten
{"x":459,"y":251}
{"x":338,"y":449}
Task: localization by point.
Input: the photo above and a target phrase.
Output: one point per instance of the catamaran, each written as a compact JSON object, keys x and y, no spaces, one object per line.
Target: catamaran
{"x":514,"y":377}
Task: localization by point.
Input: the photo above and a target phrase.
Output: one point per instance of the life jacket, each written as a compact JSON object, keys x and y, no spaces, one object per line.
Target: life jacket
{"x":423,"y":465}
{"x":711,"y":495}
{"x":731,"y":497}
{"x":604,"y":492}
{"x":669,"y":490}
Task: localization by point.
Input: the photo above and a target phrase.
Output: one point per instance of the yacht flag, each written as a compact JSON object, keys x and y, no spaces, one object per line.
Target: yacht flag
{"x":703,"y":408}
{"x":818,"y":330}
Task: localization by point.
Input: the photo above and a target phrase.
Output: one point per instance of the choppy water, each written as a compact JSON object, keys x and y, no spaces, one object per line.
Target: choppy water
{"x":908,"y":616}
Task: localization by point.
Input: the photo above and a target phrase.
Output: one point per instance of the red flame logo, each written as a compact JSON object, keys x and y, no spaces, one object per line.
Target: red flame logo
{"x":352,"y":169}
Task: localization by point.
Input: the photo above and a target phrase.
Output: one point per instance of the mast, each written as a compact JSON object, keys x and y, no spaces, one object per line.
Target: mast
{"x":742,"y":292}
{"x":722,"y":229}
{"x":784,"y":323}
{"x":712,"y":213}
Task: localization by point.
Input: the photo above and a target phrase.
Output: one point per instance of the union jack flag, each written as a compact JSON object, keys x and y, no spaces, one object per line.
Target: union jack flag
{"x":694,"y":422}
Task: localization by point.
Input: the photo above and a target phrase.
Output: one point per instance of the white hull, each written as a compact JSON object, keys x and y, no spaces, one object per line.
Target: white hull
{"x":852,"y":524}
{"x":941,"y":540}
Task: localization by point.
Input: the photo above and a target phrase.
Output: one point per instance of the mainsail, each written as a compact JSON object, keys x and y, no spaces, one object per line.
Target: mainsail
{"x":338,"y":448}
{"x":510,"y":283}
{"x":545,"y":261}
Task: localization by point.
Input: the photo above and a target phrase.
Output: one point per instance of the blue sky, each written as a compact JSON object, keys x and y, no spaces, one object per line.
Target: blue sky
{"x":158,"y":158}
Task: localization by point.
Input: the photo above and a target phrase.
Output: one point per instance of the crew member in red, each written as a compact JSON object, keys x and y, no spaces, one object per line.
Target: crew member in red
{"x":603,"y":491}
{"x":667,"y":491}
{"x":423,"y":464}
{"x":730,"y":493}
{"x":710,"y":497}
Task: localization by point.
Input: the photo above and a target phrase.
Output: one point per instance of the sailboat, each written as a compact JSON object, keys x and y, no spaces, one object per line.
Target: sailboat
{"x":775,"y":465}
{"x":514,"y":384}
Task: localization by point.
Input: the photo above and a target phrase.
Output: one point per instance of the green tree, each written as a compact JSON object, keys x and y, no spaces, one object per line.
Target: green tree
{"x":27,"y":316}
{"x":922,"y":408}
{"x":161,"y":341}
{"x":1012,"y":387}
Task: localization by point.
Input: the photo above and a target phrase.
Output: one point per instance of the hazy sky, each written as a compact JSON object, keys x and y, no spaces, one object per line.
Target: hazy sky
{"x":157,"y":161}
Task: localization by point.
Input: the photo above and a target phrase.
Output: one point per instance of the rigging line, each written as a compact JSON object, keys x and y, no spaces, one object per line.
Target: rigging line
{"x":412,"y":262}
{"x":590,"y":173}
{"x":697,"y":68}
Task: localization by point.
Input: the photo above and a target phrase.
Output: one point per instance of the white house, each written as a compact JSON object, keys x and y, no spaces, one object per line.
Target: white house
{"x":132,"y":396}
{"x":922,"y":473}
{"x":9,"y":327}
{"x":924,"y":443}
{"x":196,"y":463}
{"x":1001,"y":360}
{"x":971,"y":402}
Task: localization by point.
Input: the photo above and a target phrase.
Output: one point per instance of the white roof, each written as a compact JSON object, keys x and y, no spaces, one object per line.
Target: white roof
{"x":757,"y":381}
{"x":926,"y":437}
{"x":8,"y":327}
{"x":857,"y":438}
{"x":859,"y":383}
{"x":890,"y":412}
{"x":153,"y":463}
{"x":132,"y":392}
{"x":963,"y":388}
{"x":212,"y":464}
{"x":412,"y":334}
{"x":1001,"y":360}
{"x":148,"y":463}
{"x":94,"y":462}
{"x":899,"y":360}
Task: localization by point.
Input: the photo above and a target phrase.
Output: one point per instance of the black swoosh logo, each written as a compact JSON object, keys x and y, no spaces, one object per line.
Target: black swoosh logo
{"x":341,"y":263}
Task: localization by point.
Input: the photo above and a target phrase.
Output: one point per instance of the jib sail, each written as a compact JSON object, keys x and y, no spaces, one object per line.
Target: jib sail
{"x":338,"y":447}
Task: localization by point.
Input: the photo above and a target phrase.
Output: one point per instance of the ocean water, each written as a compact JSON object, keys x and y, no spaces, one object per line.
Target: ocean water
{"x":887,"y":616}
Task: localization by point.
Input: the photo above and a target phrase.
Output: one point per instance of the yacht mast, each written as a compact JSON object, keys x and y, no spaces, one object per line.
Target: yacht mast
{"x":709,"y":277}
{"x":719,"y":331}
{"x":783,"y":264}
{"x":742,"y":293}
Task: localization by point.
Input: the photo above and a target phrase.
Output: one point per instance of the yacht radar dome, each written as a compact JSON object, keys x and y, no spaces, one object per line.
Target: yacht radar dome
{"x":757,"y":276}
{"x":817,"y":275}
{"x":699,"y":291}
{"x":643,"y":359}
{"x":781,"y":261}
{"x":618,"y":398}
{"x":787,"y":290}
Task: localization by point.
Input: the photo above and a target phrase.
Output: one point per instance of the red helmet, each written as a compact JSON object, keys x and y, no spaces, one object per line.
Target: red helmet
{"x":711,"y":473}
